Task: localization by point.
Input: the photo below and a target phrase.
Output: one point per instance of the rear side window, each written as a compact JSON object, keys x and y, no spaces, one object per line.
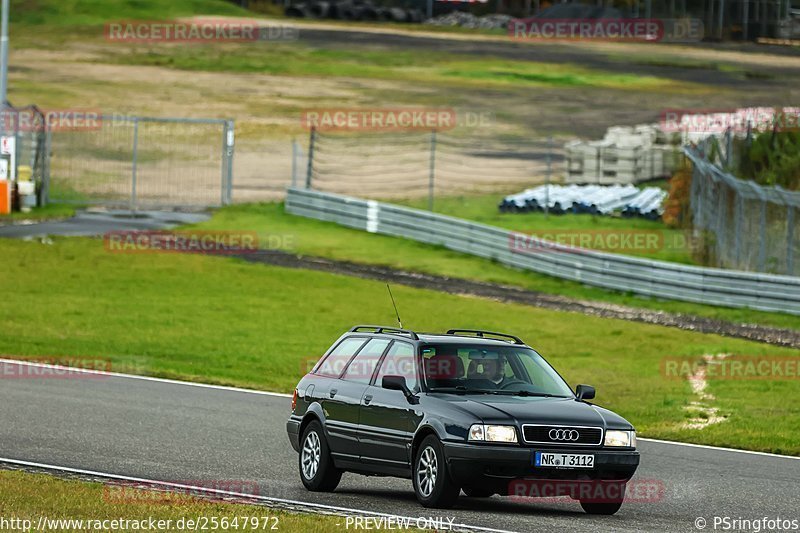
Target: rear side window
{"x":362,"y":367}
{"x":338,"y":358}
{"x":399,"y":362}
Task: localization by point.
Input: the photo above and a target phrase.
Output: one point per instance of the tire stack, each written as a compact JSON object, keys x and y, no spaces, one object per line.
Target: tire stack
{"x":358,"y":10}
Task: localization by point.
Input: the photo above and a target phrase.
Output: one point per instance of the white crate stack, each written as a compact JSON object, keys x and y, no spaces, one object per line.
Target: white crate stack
{"x":626,"y":155}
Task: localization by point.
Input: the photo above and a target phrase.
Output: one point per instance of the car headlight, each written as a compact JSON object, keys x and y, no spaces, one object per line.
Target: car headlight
{"x":625,"y":439}
{"x":487,"y":433}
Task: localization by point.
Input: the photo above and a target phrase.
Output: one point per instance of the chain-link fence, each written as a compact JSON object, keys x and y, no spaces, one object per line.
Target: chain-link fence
{"x":265,"y":167}
{"x":745,"y":226}
{"x":142,"y":162}
{"x":408,"y":164}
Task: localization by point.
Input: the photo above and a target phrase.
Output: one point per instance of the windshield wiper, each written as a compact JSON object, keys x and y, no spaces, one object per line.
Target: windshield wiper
{"x":461,"y":389}
{"x":528,"y":393}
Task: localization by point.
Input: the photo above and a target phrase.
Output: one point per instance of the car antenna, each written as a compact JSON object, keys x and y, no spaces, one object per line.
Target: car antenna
{"x":395,"y":306}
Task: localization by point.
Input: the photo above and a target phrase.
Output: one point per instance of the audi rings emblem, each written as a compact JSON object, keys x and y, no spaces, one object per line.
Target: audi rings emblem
{"x":563,"y":434}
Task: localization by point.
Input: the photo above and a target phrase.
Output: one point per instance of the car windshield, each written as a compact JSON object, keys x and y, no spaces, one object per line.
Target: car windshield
{"x":460,"y":368}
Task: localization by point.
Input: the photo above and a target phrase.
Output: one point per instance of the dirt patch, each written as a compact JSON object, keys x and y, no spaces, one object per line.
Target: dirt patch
{"x":81,"y":73}
{"x":701,"y":410}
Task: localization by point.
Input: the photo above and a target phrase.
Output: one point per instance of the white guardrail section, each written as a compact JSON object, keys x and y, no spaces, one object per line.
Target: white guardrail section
{"x":658,"y":279}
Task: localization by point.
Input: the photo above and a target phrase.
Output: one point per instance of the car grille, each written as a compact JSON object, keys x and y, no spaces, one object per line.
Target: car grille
{"x":564,"y":435}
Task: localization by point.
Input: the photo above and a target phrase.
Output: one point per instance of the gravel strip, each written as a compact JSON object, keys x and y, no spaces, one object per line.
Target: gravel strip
{"x":766,"y":334}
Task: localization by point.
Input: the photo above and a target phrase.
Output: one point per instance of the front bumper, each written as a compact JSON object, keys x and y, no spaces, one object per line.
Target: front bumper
{"x":496,"y":467}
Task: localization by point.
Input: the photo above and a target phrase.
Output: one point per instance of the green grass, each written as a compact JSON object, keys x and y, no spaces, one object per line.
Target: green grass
{"x":668,"y":244}
{"x":48,"y":212}
{"x":313,"y":237}
{"x":688,"y":63}
{"x":300,"y":59}
{"x":95,"y":12}
{"x":27,"y":496}
{"x":223,"y":320}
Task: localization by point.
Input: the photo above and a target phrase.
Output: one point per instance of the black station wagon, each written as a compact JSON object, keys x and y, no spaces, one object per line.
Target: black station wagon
{"x":472,"y":411}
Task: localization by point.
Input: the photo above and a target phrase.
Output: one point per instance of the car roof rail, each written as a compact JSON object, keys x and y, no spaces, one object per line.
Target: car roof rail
{"x":386,"y":329}
{"x":482,"y":333}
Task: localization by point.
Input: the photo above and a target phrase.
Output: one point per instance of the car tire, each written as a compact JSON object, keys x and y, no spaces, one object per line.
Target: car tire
{"x":601,"y":508}
{"x":472,"y":492}
{"x":432,"y":483}
{"x":317,"y":471}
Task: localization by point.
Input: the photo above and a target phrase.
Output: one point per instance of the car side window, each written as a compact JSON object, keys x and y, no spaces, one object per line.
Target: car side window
{"x":399,"y":361}
{"x":362,"y":367}
{"x":336,"y":361}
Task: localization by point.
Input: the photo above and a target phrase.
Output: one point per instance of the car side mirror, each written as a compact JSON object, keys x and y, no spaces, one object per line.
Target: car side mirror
{"x":584,"y":392}
{"x":398,"y":383}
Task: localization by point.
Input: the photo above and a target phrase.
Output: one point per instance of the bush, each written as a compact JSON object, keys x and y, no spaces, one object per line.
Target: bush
{"x":770,"y":159}
{"x":677,"y":211}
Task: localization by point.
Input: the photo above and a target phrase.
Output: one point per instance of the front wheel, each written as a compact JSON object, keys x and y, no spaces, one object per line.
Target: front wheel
{"x":432,"y":483}
{"x":317,"y":470}
{"x":608,"y":507}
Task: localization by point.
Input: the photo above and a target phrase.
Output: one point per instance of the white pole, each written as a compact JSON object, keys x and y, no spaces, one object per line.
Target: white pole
{"x":4,"y":55}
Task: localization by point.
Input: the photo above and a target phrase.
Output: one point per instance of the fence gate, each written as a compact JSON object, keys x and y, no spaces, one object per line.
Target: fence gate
{"x":143,"y":162}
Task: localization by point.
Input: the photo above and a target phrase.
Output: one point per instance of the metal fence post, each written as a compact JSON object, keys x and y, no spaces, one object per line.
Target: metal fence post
{"x":294,"y":162}
{"x":762,"y":234}
{"x":790,"y":241}
{"x":135,"y":161}
{"x":728,"y":148}
{"x":45,"y":196}
{"x":224,"y":167}
{"x":229,"y":142}
{"x":745,"y":19}
{"x":547,"y":178}
{"x":737,"y":243}
{"x":721,"y":223}
{"x":431,"y":170}
{"x":312,"y":140}
{"x":599,"y":166}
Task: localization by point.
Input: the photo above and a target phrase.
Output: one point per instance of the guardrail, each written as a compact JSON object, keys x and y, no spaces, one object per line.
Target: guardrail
{"x":646,"y":277}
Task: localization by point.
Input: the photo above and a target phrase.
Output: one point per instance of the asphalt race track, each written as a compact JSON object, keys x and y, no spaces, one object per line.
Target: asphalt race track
{"x":89,"y":223}
{"x":190,"y":434}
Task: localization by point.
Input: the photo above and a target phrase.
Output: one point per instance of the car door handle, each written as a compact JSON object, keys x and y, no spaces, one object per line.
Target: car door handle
{"x":367,"y":399}
{"x":333,"y":392}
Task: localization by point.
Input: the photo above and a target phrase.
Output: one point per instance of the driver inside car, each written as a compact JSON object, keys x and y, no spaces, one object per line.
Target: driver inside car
{"x":487,"y":365}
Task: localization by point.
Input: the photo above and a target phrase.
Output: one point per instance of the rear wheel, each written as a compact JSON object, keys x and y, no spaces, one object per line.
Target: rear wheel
{"x":432,"y":483}
{"x":317,"y":470}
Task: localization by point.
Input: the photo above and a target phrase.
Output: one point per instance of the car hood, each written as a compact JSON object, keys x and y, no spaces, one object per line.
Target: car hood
{"x":537,"y":410}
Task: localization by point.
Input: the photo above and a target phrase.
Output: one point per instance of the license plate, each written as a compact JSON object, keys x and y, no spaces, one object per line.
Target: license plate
{"x":563,"y":460}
